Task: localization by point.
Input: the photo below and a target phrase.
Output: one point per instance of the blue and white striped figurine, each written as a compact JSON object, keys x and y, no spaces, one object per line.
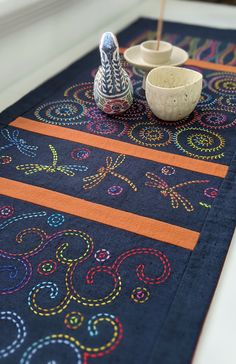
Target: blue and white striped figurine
{"x":113,"y":90}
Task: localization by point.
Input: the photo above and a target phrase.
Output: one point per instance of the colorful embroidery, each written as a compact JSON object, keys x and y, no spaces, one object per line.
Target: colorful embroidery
{"x":6,"y":212}
{"x":20,"y":333}
{"x":73,"y":320}
{"x":82,"y":93}
{"x":68,"y":170}
{"x":112,"y":271}
{"x":140,"y":295}
{"x":5,"y":159}
{"x":80,"y":153}
{"x":188,"y":120}
{"x":222,"y":83}
{"x":203,"y":204}
{"x":108,"y":127}
{"x":210,"y":50}
{"x":115,"y":190}
{"x":136,"y":111}
{"x":76,"y":346}
{"x":61,"y":112}
{"x":20,"y":217}
{"x":94,"y":180}
{"x":206,"y":100}
{"x":199,"y":143}
{"x":216,"y":119}
{"x":168,"y":170}
{"x":19,"y":272}
{"x":56,"y":220}
{"x":47,"y":267}
{"x":211,"y":192}
{"x":170,"y":191}
{"x":102,"y":255}
{"x":19,"y":143}
{"x":150,"y":135}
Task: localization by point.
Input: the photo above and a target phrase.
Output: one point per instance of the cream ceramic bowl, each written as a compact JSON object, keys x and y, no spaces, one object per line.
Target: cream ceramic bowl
{"x":173,"y":92}
{"x":151,"y":55}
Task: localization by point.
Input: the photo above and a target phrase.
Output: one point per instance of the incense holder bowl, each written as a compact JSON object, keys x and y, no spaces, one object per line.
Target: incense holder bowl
{"x":172,"y":92}
{"x":113,"y":90}
{"x":150,"y":54}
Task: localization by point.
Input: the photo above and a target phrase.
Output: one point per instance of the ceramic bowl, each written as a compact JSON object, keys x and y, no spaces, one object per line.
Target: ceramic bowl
{"x":150,"y":54}
{"x":172,"y":92}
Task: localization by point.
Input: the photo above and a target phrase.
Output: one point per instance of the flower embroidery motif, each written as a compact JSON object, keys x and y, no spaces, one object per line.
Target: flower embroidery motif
{"x":170,"y":191}
{"x":115,"y":106}
{"x":68,"y":170}
{"x":109,"y":168}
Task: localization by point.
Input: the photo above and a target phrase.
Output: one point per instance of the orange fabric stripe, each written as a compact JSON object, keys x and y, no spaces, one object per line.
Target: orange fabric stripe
{"x":141,"y":225}
{"x":204,"y":64}
{"x":112,"y":145}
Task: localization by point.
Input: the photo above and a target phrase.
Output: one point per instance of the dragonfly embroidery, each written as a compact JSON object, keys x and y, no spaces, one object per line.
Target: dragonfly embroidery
{"x":109,"y":168}
{"x":19,"y":143}
{"x":68,"y":170}
{"x":170,"y":191}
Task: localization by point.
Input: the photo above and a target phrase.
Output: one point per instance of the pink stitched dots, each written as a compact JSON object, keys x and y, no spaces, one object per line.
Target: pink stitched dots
{"x":115,"y":190}
{"x":168,"y":170}
{"x":73,"y":320}
{"x":47,"y":267}
{"x":140,"y":295}
{"x":80,"y":153}
{"x":5,"y":159}
{"x":6,"y":211}
{"x":101,"y":255}
{"x":211,"y":192}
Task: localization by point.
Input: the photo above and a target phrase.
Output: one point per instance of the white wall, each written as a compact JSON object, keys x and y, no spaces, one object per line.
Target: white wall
{"x":40,"y":31}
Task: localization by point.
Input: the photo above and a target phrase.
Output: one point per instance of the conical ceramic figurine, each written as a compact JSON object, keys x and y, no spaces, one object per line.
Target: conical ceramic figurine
{"x":113,"y":90}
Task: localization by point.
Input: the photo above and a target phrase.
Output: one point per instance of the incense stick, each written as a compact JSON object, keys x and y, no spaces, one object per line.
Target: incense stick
{"x":160,"y":23}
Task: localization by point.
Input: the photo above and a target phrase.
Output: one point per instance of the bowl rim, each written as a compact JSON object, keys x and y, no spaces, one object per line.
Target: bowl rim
{"x":142,"y":47}
{"x":177,"y":69}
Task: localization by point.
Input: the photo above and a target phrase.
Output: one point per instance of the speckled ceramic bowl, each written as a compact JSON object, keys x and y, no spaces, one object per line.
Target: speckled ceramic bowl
{"x":173,"y":92}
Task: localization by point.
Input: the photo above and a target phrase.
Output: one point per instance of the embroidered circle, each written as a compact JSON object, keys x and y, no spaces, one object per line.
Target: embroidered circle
{"x":82,"y":92}
{"x":61,"y":112}
{"x":103,"y":124}
{"x":101,"y":255}
{"x":73,"y":320}
{"x":140,"y":295}
{"x":215,"y":119}
{"x":228,"y":104}
{"x":199,"y":143}
{"x":150,"y":135}
{"x":102,"y":127}
{"x":5,"y":159}
{"x":115,"y":190}
{"x":222,"y":83}
{"x":136,"y":111}
{"x":206,"y":99}
{"x":6,"y":211}
{"x":168,"y":170}
{"x":80,"y":153}
{"x":211,"y":192}
{"x":95,"y":114}
{"x":55,"y":220}
{"x":47,"y":267}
